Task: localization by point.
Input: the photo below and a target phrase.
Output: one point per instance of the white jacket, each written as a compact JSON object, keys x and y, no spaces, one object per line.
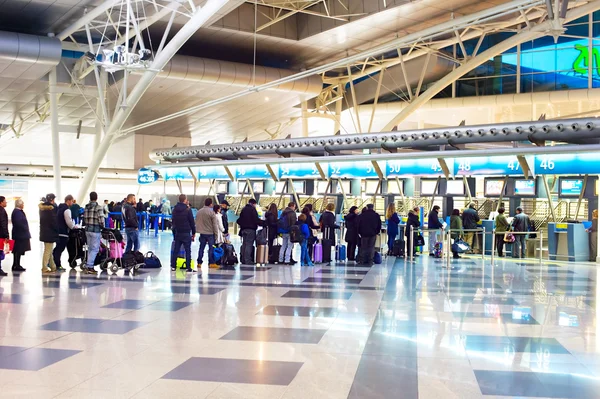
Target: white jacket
{"x":219,"y":237}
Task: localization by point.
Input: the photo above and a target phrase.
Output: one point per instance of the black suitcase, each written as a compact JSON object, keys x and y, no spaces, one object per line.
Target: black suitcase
{"x":327,"y":244}
{"x":274,"y":254}
{"x":398,"y":249}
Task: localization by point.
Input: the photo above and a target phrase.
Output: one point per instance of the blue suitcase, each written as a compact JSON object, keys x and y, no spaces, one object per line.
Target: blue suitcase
{"x":377,"y":258}
{"x":340,"y":253}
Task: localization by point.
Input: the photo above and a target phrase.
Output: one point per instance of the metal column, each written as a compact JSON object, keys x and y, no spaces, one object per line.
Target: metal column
{"x":55,"y":134}
{"x":304,"y":118}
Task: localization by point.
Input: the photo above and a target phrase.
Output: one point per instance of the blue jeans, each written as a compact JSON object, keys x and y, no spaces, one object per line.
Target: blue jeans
{"x":93,"y":243}
{"x":186,"y":242}
{"x":206,"y":239}
{"x":133,"y":239}
{"x":304,"y":256}
{"x":285,"y":254}
{"x":391,"y":240}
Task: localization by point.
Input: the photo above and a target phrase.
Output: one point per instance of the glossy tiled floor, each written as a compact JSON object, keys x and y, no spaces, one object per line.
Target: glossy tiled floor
{"x":398,"y":330}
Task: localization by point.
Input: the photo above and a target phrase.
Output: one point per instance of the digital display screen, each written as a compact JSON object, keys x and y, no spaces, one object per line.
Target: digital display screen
{"x":257,"y":187}
{"x":428,"y":187}
{"x":571,"y":187}
{"x":521,"y":313}
{"x":222,"y":187}
{"x":493,"y":187}
{"x":321,"y":187}
{"x":371,"y":186}
{"x":455,"y":187}
{"x":524,"y":187}
{"x":299,"y":187}
{"x":345,"y":184}
{"x":568,"y":320}
{"x":280,"y":187}
{"x":393,"y":187}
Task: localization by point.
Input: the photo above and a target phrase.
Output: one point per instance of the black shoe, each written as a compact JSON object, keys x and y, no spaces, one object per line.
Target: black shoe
{"x":61,"y":269}
{"x":3,"y":273}
{"x":173,"y":269}
{"x":431,"y":254}
{"x":90,"y":271}
{"x":18,"y":269}
{"x":190,"y":270}
{"x":457,"y":257}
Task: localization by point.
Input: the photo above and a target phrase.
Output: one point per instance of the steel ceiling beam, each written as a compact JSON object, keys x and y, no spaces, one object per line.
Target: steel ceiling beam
{"x":417,"y":37}
{"x":199,"y":18}
{"x":550,"y":27}
{"x":284,"y":6}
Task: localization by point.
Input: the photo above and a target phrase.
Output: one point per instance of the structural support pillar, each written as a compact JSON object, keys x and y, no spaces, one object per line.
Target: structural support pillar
{"x":338,"y":111}
{"x":304,"y":118}
{"x":55,"y":134}
{"x":200,"y":17}
{"x":100,"y":122}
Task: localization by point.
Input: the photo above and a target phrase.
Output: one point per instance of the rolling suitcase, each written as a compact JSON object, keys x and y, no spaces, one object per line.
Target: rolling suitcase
{"x":274,"y":254}
{"x":262,"y":254}
{"x":340,"y":253}
{"x":327,"y":244}
{"x":318,"y":253}
{"x":398,"y":249}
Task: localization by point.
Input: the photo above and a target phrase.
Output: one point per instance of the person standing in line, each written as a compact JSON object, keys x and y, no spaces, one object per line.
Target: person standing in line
{"x":470,"y":219}
{"x":328,"y":227}
{"x":313,"y":228}
{"x":21,"y":235}
{"x":456,"y":229}
{"x":48,"y":232}
{"x":304,"y":257}
{"x":368,"y":229}
{"x":206,"y":226}
{"x":65,"y":224}
{"x":593,"y":230}
{"x":75,"y":212}
{"x":434,"y":226}
{"x":106,"y":209}
{"x":248,"y":222}
{"x":3,"y":228}
{"x":271,"y":225}
{"x":392,"y":226}
{"x":93,"y":218}
{"x":286,"y":221}
{"x":131,"y":224}
{"x":352,"y":237}
{"x":224,"y":208}
{"x":118,"y":218}
{"x":412,"y":220}
{"x":184,"y":231}
{"x":520,"y":225}
{"x":139,"y":208}
{"x":220,"y":229}
{"x":502,"y":227}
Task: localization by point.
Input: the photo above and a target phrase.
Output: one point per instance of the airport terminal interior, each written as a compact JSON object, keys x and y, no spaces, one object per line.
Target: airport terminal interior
{"x":381,"y":199}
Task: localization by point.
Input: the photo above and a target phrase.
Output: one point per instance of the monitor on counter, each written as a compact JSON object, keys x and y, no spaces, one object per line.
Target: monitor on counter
{"x":299,"y":187}
{"x":345,"y":184}
{"x":455,"y":187}
{"x":322,"y":187}
{"x":524,"y":188}
{"x":393,"y":187}
{"x":570,"y":187}
{"x":371,"y":186}
{"x":493,"y":188}
{"x":428,"y":187}
{"x":280,"y":187}
{"x":222,"y":187}
{"x":257,"y":186}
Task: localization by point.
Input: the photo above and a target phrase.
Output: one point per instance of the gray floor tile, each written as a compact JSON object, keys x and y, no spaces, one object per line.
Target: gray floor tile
{"x":344,"y":273}
{"x":128,"y":304}
{"x":329,"y":280}
{"x":97,"y":326}
{"x":317,"y":294}
{"x":275,"y":334}
{"x":21,"y":299}
{"x":70,"y":285}
{"x":235,"y":371}
{"x":198,"y":290}
{"x":223,"y":277}
{"x":300,"y":311}
{"x":385,"y":377}
{"x":170,"y":306}
{"x":11,"y":350}
{"x":484,"y":343}
{"x":33,"y":359}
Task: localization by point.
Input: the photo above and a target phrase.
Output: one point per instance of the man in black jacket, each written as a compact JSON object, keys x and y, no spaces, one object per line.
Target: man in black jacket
{"x":3,"y":228}
{"x":248,"y":222}
{"x":224,"y":208}
{"x":434,"y":225}
{"x":369,"y":228}
{"x":65,"y":223}
{"x":131,"y":224}
{"x":139,"y":208}
{"x":470,"y":220}
{"x":184,"y":230}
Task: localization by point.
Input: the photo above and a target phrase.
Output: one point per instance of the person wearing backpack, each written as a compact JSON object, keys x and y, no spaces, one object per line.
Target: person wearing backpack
{"x":248,"y":222}
{"x":286,"y":221}
{"x":304,"y":235}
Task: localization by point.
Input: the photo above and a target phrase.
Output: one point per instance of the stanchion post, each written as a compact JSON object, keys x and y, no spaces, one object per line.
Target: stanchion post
{"x":541,"y":245}
{"x":412,"y":243}
{"x":493,"y":245}
{"x":447,"y":241}
{"x":483,"y":245}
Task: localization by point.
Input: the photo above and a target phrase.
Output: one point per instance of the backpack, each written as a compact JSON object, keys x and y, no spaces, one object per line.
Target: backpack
{"x":296,"y":234}
{"x":218,"y":253}
{"x":128,"y":260}
{"x":283,"y":224}
{"x":229,"y":257}
{"x":151,"y":261}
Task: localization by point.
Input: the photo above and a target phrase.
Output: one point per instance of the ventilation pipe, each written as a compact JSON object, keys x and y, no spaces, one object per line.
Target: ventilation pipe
{"x":28,"y":56}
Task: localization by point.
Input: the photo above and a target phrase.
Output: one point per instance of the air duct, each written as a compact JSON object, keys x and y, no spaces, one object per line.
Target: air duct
{"x":19,"y":53}
{"x":561,"y":131}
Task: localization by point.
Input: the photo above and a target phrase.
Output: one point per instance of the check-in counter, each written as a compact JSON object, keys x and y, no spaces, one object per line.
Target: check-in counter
{"x":568,"y":242}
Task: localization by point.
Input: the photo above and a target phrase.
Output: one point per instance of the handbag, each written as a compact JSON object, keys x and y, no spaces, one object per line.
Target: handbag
{"x":509,"y":237}
{"x":419,"y":240}
{"x":460,"y":246}
{"x":152,"y":261}
{"x":7,"y":245}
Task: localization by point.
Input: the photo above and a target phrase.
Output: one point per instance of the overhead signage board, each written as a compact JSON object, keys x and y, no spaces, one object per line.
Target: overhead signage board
{"x":304,"y":170}
{"x":567,"y":164}
{"x":147,"y":176}
{"x":354,"y":170}
{"x":416,"y":167}
{"x":180,"y":173}
{"x":255,"y":171}
{"x":211,"y":172}
{"x":489,"y":166}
